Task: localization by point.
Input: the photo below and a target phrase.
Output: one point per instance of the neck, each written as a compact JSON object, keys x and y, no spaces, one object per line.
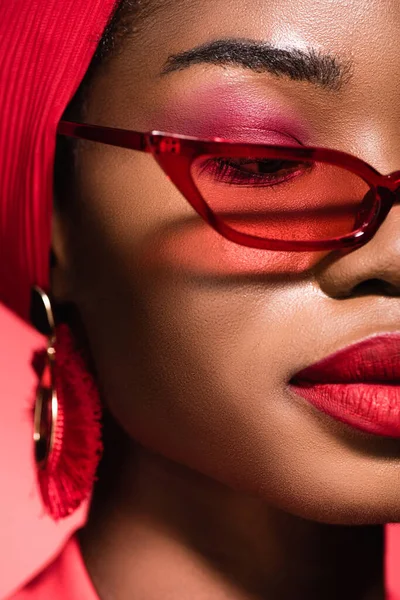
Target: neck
{"x":157,"y":529}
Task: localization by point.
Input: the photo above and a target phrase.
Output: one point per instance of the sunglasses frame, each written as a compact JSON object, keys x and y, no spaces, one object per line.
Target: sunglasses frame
{"x":176,"y":153}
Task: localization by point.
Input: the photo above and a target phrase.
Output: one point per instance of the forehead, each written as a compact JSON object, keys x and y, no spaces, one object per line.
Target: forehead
{"x":340,"y":24}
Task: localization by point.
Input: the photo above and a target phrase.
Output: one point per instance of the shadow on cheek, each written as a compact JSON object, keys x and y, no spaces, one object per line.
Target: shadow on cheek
{"x":193,"y":248}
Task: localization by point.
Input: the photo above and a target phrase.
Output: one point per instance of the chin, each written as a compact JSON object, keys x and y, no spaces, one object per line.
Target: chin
{"x":338,"y":514}
{"x":346,"y":502}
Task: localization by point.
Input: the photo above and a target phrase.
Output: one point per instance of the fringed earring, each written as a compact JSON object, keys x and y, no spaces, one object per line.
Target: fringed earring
{"x":67,"y":420}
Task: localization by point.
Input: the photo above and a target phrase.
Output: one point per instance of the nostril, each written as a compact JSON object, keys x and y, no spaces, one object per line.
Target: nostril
{"x":375,"y":287}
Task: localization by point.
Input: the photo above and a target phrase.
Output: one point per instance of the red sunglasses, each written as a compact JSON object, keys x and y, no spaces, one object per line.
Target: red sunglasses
{"x":264,"y":196}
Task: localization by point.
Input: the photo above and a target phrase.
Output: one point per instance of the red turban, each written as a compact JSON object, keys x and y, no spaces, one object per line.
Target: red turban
{"x":45,"y":49}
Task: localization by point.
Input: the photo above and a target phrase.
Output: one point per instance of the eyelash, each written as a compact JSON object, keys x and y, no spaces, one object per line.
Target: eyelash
{"x":229,"y":171}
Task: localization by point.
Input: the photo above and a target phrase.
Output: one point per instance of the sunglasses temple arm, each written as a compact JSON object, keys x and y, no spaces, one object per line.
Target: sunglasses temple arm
{"x":105,"y":135}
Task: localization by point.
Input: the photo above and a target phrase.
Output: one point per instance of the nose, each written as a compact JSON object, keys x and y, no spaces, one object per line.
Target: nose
{"x":373,"y":268}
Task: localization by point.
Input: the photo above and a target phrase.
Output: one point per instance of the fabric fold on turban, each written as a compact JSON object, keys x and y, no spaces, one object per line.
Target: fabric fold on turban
{"x":45,"y":49}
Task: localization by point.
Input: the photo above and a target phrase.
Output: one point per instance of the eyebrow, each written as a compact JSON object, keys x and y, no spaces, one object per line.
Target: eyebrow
{"x":324,"y":70}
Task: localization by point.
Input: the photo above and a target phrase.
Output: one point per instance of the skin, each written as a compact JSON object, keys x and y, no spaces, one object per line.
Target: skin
{"x":221,"y":478}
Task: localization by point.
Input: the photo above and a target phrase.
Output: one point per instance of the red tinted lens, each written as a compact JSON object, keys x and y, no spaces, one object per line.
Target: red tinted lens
{"x":278,"y":199}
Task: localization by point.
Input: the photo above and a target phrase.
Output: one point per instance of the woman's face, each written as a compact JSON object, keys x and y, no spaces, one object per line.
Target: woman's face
{"x":195,"y":338}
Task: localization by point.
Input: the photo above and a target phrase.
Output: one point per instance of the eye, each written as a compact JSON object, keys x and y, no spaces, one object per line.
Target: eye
{"x":251,"y":171}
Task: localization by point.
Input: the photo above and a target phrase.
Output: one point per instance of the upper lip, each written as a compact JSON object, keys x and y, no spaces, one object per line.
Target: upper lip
{"x":375,"y":360}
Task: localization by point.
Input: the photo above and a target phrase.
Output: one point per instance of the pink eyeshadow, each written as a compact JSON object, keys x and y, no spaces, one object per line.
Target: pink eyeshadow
{"x":235,"y":112}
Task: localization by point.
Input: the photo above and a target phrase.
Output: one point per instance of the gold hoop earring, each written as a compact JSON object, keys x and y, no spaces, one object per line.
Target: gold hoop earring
{"x":67,"y":419}
{"x":46,"y":405}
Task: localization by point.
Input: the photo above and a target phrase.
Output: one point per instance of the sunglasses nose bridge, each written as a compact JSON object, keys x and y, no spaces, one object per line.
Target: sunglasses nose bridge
{"x":394,"y":183}
{"x":389,"y":195}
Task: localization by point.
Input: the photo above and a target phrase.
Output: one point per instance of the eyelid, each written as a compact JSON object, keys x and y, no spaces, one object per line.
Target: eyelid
{"x":263,"y":136}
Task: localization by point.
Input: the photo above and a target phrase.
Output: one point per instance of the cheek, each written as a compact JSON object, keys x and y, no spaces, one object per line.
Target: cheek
{"x":195,"y":370}
{"x":192,"y":350}
{"x":195,"y":367}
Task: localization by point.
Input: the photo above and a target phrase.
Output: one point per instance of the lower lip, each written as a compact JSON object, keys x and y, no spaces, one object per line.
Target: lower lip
{"x":368,"y":407}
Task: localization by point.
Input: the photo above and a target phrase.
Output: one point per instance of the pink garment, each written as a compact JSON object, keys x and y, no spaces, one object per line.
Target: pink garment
{"x":64,"y":579}
{"x":392,"y":562}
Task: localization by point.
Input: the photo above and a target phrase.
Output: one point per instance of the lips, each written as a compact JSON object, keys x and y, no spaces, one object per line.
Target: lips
{"x":359,"y":385}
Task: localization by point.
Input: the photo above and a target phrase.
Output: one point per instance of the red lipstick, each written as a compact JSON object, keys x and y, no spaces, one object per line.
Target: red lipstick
{"x":359,"y":385}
